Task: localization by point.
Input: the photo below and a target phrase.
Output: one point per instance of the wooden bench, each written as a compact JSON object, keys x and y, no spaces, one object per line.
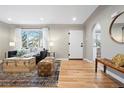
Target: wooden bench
{"x":107,"y":63}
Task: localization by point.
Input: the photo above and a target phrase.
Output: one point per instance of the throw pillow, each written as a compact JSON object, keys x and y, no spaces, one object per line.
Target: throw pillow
{"x":118,"y":60}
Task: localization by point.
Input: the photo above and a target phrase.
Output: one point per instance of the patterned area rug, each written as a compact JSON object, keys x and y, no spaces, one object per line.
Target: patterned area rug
{"x":29,"y":79}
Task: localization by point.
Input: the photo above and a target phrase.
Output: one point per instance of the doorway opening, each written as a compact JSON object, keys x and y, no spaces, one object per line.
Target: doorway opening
{"x":96,"y":41}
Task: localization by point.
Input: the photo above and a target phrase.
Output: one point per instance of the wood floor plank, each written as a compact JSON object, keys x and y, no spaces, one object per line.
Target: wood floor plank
{"x":81,"y":74}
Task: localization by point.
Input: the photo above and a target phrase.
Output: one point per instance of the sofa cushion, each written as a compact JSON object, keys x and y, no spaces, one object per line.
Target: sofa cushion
{"x":12,"y":53}
{"x":43,"y":54}
{"x":118,"y":60}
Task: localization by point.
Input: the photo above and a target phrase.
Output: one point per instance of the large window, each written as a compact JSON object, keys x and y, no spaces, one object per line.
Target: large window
{"x":31,"y":38}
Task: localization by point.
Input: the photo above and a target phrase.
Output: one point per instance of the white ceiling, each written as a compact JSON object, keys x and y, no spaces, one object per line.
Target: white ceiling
{"x":31,"y":14}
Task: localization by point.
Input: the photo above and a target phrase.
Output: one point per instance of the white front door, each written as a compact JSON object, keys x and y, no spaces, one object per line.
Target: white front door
{"x":76,"y":44}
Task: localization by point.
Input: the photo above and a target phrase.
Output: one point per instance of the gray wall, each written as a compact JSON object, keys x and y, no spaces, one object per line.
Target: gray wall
{"x":4,"y":39}
{"x":58,"y":33}
{"x":109,"y":48}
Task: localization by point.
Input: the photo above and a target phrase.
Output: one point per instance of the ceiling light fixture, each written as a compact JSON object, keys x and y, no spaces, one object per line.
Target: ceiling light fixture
{"x":74,"y":18}
{"x":41,"y":19}
{"x":9,"y":19}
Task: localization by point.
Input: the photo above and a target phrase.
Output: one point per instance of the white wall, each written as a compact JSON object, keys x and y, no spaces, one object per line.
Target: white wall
{"x":109,"y":48}
{"x":4,"y":39}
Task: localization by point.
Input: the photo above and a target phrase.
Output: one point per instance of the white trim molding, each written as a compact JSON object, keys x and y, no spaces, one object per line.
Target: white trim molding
{"x":115,"y":76}
{"x":112,"y":74}
{"x":63,"y":59}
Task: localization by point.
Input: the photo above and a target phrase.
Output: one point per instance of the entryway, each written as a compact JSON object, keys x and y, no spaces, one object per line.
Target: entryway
{"x":96,"y":41}
{"x":75,"y":44}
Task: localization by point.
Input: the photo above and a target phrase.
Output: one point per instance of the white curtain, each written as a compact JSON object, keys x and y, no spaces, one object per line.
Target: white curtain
{"x":45,"y":38}
{"x":18,"y":39}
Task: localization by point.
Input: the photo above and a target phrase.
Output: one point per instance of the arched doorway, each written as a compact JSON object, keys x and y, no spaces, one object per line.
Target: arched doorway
{"x":96,"y":41}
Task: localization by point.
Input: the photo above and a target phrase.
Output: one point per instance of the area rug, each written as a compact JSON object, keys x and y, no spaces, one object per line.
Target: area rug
{"x":29,"y":79}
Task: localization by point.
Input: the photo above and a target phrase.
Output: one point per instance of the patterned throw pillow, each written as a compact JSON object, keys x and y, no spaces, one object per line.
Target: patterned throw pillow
{"x":118,"y":60}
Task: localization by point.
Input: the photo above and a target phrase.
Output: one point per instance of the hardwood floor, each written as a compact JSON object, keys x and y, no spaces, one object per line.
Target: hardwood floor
{"x":81,"y":74}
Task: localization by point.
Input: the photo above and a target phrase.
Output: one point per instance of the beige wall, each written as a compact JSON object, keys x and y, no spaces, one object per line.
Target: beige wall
{"x":109,"y":48}
{"x":4,"y":39}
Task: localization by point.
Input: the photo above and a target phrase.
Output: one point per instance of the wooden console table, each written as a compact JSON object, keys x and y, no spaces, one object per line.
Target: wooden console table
{"x":107,"y":63}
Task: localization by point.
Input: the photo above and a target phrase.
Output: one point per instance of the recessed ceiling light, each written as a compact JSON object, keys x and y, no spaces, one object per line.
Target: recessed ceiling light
{"x":41,"y":19}
{"x":9,"y":19}
{"x":74,"y":18}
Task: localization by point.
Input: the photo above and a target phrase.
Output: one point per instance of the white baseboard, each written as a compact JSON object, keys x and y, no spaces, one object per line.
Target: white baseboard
{"x":112,"y":74}
{"x":115,"y":76}
{"x":100,"y":66}
{"x":87,"y":60}
{"x":62,"y":59}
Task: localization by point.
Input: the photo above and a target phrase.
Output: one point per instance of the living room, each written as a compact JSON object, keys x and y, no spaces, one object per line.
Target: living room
{"x":29,"y":30}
